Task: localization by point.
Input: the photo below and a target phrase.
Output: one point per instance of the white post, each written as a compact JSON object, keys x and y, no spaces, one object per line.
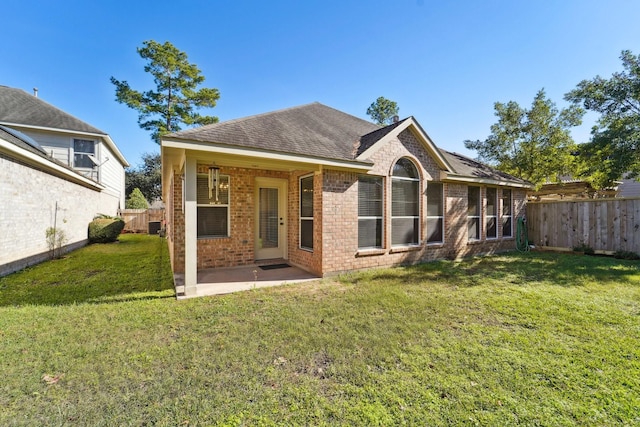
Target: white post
{"x":190,"y":228}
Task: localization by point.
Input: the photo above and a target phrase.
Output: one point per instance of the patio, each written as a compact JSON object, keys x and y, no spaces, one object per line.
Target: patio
{"x":217,"y":281}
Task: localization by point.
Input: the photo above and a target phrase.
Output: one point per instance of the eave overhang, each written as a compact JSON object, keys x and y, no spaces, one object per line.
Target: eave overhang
{"x":224,"y":154}
{"x":107,"y":139}
{"x":463,"y":179}
{"x":46,"y":165}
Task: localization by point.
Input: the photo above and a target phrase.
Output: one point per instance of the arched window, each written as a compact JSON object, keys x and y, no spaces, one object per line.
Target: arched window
{"x":405,"y":204}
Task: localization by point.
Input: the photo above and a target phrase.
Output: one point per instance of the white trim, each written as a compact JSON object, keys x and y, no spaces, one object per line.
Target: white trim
{"x":443,"y":205}
{"x":432,"y":149}
{"x":104,"y":136}
{"x":495,"y":216}
{"x":381,"y":217}
{"x":306,"y":218}
{"x":265,"y":154}
{"x":418,"y":200}
{"x":48,"y":165}
{"x":219,"y":205}
{"x":478,"y":216}
{"x":449,"y":177}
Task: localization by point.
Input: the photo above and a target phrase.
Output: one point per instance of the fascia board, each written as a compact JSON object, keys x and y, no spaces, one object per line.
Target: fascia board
{"x":112,"y":146}
{"x":209,"y":147}
{"x":448,"y":177}
{"x":419,"y":133}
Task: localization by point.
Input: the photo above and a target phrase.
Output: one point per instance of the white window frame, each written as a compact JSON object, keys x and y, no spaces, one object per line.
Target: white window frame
{"x":305,"y":218}
{"x":84,"y":153}
{"x":376,"y":217}
{"x":503,"y":216}
{"x":476,"y":217}
{"x":488,"y":217}
{"x":436,"y":217}
{"x":418,"y":199}
{"x":213,"y":205}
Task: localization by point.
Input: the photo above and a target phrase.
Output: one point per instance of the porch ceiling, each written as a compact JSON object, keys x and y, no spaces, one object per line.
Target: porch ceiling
{"x":174,"y":153}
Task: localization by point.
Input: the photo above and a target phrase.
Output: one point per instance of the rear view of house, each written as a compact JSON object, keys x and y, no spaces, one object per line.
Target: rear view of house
{"x":327,"y":192}
{"x":55,"y":171}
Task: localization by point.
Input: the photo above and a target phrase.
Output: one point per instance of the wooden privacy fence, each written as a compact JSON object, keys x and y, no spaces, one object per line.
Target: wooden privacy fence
{"x":137,"y":220}
{"x":601,"y":224}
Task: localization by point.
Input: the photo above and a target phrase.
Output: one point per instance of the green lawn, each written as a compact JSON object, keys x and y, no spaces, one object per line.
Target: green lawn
{"x":546,"y":339}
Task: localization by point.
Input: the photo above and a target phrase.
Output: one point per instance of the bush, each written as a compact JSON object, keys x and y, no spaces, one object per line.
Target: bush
{"x":626,"y":255}
{"x":105,"y":230}
{"x":136,"y":200}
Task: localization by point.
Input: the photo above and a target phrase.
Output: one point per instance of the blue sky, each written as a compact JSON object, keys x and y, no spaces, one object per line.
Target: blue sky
{"x":443,"y":62}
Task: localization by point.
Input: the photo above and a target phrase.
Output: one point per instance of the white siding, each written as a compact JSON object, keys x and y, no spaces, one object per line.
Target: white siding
{"x":112,"y":174}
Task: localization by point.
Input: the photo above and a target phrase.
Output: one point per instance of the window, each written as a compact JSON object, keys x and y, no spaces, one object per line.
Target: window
{"x":370,"y":206}
{"x":435,"y":213}
{"x":213,"y":206}
{"x":491,"y":215}
{"x":473,"y":213}
{"x":405,"y":204}
{"x":82,"y":149}
{"x":306,"y":212}
{"x":507,"y":213}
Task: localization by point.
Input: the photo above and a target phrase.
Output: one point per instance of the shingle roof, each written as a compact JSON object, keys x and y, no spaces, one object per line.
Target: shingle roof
{"x":312,"y":130}
{"x":468,"y":167}
{"x":366,"y":141}
{"x":318,"y":131}
{"x":19,"y":107}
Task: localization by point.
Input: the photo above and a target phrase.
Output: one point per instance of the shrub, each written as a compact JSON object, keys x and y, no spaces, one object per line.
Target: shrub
{"x":136,"y":200}
{"x":626,"y":255}
{"x":105,"y":230}
{"x":56,"y":239}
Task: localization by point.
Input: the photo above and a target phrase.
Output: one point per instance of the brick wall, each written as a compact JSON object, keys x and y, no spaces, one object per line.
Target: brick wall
{"x":28,"y":198}
{"x":340,"y":210}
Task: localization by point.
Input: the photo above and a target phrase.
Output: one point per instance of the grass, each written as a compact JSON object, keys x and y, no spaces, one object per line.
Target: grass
{"x":517,"y":339}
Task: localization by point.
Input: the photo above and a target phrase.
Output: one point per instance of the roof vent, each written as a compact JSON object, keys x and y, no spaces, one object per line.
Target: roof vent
{"x":396,"y":119}
{"x":35,"y":92}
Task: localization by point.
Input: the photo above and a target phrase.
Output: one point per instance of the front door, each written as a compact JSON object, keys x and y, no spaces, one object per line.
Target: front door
{"x":271,"y":218}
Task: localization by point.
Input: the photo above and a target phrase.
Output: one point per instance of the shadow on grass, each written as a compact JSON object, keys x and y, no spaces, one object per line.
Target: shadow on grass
{"x":134,"y":268}
{"x":515,"y":268}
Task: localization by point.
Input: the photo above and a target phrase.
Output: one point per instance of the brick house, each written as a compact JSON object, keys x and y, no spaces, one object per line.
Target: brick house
{"x":327,"y":192}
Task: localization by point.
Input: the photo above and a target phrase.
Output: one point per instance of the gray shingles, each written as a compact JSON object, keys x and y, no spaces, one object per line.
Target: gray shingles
{"x":468,"y":167}
{"x":318,"y":131}
{"x":312,"y":130}
{"x":19,"y":107}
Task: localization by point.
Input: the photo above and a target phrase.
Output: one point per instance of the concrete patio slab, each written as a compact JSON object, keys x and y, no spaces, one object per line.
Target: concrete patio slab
{"x":217,"y":281}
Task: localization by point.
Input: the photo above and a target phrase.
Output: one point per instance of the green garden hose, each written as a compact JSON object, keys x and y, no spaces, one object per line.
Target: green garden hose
{"x":522,"y":237}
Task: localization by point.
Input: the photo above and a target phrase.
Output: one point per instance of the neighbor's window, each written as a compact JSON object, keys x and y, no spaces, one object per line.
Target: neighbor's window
{"x":82,"y":149}
{"x":306,"y":212}
{"x":405,"y":204}
{"x":507,"y":213}
{"x":473,"y":213}
{"x":370,"y":206}
{"x":213,"y":208}
{"x":491,"y":216}
{"x":435,"y":213}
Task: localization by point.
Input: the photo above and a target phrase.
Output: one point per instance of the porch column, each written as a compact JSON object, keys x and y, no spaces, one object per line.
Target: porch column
{"x":190,"y":228}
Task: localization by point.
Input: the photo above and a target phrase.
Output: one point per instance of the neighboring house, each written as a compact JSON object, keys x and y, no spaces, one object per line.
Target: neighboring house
{"x":55,"y":170}
{"x":327,"y":192}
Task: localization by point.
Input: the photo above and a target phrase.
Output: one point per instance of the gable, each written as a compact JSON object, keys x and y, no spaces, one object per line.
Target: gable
{"x":376,"y":140}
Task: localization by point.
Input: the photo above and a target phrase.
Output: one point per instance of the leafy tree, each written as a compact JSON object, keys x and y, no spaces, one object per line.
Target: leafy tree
{"x":382,"y":111}
{"x":533,"y":144}
{"x":136,"y":200}
{"x":614,"y":148}
{"x":175,"y":100}
{"x":146,"y":177}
